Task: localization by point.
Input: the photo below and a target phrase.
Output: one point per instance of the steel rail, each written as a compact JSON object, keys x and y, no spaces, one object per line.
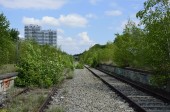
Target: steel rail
{"x":137,"y":105}
{"x":47,"y":101}
{"x":143,"y":87}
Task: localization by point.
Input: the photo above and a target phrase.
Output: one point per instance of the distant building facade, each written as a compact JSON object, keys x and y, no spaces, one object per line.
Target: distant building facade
{"x":41,"y":36}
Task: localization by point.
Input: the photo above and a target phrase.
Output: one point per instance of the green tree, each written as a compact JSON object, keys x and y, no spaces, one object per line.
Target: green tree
{"x":7,"y":47}
{"x":156,"y":19}
{"x":14,"y":34}
{"x":128,"y":46}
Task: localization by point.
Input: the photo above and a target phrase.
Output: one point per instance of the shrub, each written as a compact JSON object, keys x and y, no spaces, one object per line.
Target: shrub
{"x":40,"y":66}
{"x":79,"y":66}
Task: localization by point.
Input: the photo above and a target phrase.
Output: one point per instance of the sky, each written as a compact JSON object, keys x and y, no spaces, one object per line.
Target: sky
{"x":80,"y":23}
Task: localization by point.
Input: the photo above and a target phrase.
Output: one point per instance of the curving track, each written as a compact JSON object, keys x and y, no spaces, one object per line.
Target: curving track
{"x":139,"y":100}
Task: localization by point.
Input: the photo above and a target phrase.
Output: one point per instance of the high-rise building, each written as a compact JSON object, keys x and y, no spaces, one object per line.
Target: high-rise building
{"x":41,"y":36}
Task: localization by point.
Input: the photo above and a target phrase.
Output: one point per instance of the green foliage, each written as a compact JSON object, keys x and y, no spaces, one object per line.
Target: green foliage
{"x":98,"y":54}
{"x":14,"y":35}
{"x":160,"y":79}
{"x":41,"y":66}
{"x":128,"y":46}
{"x":156,"y":18}
{"x":7,"y":46}
{"x":79,"y":66}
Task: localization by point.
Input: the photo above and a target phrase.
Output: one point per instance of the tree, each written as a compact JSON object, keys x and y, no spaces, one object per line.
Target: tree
{"x":7,"y":51}
{"x":156,"y":19}
{"x":4,"y":26}
{"x":128,"y":46}
{"x":14,"y":34}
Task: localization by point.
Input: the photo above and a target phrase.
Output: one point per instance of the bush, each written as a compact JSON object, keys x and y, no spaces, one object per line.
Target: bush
{"x":97,"y":54}
{"x":41,"y":66}
{"x":79,"y":66}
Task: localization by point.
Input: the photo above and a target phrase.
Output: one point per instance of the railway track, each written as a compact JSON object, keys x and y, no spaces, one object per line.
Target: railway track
{"x":139,"y":100}
{"x":48,"y":100}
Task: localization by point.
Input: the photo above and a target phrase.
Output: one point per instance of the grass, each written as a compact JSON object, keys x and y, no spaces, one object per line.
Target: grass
{"x":8,"y":68}
{"x":27,"y":102}
{"x":3,"y":110}
{"x":70,"y":75}
{"x":13,"y":91}
{"x":79,"y":66}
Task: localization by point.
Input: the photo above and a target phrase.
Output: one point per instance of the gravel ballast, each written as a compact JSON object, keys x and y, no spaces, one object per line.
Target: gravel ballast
{"x":86,"y":93}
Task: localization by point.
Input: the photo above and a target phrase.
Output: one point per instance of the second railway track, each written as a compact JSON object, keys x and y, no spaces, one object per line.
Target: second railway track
{"x":139,"y":100}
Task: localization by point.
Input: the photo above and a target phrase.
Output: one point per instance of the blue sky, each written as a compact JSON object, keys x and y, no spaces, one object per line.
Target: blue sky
{"x":80,"y":23}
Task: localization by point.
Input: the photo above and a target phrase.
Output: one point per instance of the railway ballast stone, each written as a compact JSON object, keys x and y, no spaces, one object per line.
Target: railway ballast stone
{"x":86,"y":93}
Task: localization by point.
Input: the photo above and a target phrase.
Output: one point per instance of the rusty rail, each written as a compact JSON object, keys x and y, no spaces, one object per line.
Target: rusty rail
{"x":47,"y":101}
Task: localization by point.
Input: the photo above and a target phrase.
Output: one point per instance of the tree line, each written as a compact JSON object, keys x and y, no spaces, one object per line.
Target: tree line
{"x":144,"y":46}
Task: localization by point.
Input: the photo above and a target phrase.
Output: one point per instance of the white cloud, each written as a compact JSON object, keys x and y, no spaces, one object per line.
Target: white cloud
{"x":50,"y":21}
{"x":26,"y":21}
{"x":84,"y":36}
{"x":72,"y":20}
{"x":113,"y":13}
{"x":77,"y":44}
{"x":94,"y":2}
{"x":35,"y":4}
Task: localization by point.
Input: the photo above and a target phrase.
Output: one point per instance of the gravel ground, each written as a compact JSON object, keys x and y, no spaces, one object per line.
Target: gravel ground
{"x":86,"y":93}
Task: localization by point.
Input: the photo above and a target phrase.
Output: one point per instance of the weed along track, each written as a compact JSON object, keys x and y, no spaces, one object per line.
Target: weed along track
{"x":47,"y":100}
{"x":139,"y":100}
{"x":26,"y":101}
{"x":54,"y":91}
{"x":11,"y":96}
